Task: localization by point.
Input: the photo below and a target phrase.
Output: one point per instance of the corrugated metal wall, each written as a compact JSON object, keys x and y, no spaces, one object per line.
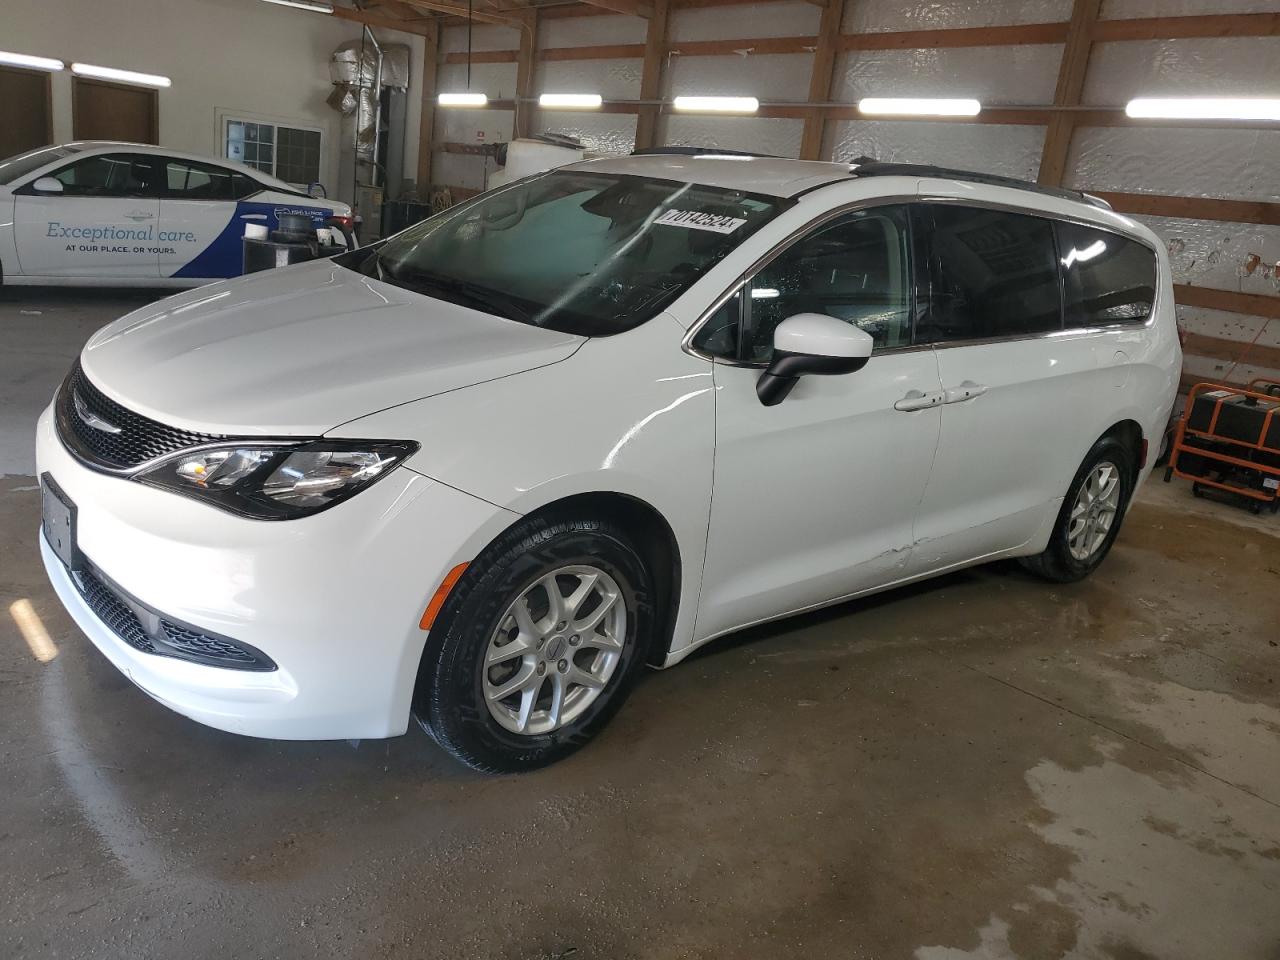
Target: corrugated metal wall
{"x":1214,"y":163}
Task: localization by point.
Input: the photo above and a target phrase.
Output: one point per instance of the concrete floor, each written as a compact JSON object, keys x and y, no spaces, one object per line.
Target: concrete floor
{"x":983,"y":766}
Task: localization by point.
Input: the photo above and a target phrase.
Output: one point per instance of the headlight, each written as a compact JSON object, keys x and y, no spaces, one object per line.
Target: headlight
{"x":278,"y":481}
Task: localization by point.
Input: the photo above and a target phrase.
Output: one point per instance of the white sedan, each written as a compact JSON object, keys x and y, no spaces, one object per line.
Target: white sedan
{"x":104,"y":214}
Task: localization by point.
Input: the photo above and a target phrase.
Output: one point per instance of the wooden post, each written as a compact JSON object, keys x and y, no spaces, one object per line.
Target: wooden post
{"x":655,"y":58}
{"x":821,"y":78}
{"x":430,"y":70}
{"x":1071,"y":74}
{"x":526,"y":60}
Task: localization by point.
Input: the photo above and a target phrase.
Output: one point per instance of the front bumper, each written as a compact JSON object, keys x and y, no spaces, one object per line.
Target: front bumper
{"x":333,"y":599}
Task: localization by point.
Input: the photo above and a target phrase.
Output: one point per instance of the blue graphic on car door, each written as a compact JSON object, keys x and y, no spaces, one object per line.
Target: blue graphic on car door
{"x":224,"y":257}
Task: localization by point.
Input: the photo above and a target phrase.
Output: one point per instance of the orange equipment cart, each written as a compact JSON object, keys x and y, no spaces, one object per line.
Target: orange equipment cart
{"x":1228,"y":439}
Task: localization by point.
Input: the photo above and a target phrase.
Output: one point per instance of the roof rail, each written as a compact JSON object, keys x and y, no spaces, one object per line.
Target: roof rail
{"x":871,"y":167}
{"x":697,"y":152}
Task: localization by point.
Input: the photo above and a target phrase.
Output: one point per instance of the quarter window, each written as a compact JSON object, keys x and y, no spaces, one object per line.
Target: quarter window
{"x":1109,"y":278}
{"x":992,"y":274}
{"x":856,"y":269}
{"x":108,"y":175}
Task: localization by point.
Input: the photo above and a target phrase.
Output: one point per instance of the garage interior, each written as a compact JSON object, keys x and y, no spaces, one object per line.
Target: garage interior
{"x":981,"y":765}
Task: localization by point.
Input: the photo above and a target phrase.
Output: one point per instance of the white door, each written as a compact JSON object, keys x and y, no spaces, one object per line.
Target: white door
{"x":1022,"y":396}
{"x":104,"y":223}
{"x":200,"y":226}
{"x":814,"y":498}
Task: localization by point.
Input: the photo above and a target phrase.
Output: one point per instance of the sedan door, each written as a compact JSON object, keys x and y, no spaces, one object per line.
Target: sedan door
{"x":103,"y":223}
{"x":201,"y":226}
{"x":815,"y":498}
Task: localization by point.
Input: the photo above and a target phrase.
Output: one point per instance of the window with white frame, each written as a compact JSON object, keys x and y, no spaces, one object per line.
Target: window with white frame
{"x":290,"y":153}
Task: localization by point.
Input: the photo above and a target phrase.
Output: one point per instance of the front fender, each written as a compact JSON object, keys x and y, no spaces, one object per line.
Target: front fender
{"x":631,"y":414}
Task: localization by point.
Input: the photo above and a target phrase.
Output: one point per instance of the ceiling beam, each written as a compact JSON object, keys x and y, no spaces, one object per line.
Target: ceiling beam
{"x":1183,"y":28}
{"x":635,"y":8}
{"x":505,"y":19}
{"x":1071,"y":75}
{"x":822,"y":78}
{"x":417,"y":27}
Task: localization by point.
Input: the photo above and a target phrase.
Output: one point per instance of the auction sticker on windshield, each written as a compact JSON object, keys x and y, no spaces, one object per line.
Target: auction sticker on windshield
{"x":697,"y":220}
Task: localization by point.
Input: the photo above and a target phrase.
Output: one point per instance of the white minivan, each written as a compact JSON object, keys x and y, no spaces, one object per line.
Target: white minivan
{"x":485,"y":471}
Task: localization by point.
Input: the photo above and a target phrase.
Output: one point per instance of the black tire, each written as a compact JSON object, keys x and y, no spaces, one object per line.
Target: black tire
{"x":1056,"y":563}
{"x":449,"y":700}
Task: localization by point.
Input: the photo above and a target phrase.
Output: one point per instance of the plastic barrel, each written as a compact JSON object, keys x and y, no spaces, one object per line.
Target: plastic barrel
{"x":265,"y":255}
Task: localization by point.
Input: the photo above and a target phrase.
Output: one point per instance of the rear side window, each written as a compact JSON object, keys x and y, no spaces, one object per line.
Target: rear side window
{"x":991,"y":274}
{"x":1109,"y":278}
{"x":188,"y":180}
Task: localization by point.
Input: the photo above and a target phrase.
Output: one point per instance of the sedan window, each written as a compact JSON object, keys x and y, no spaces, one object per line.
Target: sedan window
{"x":108,"y":175}
{"x":188,"y":180}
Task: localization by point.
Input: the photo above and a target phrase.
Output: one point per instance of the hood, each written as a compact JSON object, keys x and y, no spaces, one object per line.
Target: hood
{"x":300,"y":350}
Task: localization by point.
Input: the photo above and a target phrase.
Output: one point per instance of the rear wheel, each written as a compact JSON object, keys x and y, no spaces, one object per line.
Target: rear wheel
{"x":1091,"y":513}
{"x":537,"y":646}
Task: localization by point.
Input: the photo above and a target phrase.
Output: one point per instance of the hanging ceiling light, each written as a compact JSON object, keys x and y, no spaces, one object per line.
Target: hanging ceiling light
{"x":919,"y":107}
{"x":30,"y":62}
{"x":717,"y":104}
{"x":462,"y":100}
{"x":1204,"y":108}
{"x":315,"y":6}
{"x":120,"y":76}
{"x":571,"y":101}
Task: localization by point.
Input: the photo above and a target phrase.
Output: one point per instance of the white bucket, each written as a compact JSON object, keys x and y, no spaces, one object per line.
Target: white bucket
{"x":256,"y":231}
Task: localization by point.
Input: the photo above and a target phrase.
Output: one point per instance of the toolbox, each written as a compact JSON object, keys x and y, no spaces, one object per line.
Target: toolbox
{"x":1228,"y":440}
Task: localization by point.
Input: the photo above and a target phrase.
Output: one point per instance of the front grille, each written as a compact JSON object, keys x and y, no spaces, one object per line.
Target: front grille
{"x":148,"y":631}
{"x":112,"y":611}
{"x":138,"y":439}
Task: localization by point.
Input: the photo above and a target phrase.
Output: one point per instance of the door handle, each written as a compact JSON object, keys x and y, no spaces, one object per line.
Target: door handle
{"x":966,"y":391}
{"x":917,"y":400}
{"x":139,"y":215}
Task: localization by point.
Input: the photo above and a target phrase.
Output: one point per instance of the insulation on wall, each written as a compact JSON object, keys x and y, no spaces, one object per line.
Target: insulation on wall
{"x":1011,"y":151}
{"x":1129,"y":9}
{"x":1212,"y":67}
{"x":998,"y":75}
{"x":1226,"y":256}
{"x":873,"y":16}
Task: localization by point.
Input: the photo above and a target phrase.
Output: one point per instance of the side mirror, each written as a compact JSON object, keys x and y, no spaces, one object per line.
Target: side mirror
{"x":47,"y":185}
{"x":811,"y":343}
{"x":316,"y":191}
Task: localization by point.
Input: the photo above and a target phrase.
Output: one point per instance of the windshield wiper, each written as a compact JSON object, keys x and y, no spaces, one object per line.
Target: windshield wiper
{"x":461,"y":291}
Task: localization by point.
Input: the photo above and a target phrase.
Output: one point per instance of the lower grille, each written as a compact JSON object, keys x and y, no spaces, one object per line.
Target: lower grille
{"x":111,"y":610}
{"x":148,"y":631}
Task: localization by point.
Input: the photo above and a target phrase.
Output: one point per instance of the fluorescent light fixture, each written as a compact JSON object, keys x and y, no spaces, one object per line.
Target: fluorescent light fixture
{"x":571,"y":101}
{"x":30,"y":62}
{"x":120,"y":76}
{"x":316,"y":6}
{"x":1205,"y":108}
{"x":765,"y":293}
{"x":717,"y":104}
{"x":918,"y":107}
{"x":462,"y":100}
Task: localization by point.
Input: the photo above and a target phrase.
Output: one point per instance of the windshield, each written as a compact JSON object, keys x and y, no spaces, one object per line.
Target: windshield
{"x":23,"y":163}
{"x":583,"y":253}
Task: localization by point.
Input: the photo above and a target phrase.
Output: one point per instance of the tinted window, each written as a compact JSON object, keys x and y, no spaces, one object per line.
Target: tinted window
{"x":992,"y":274}
{"x":856,"y":269}
{"x":185,"y":180}
{"x":108,"y":175}
{"x":1109,"y":278}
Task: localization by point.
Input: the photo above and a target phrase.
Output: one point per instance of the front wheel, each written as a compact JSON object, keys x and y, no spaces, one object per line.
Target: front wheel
{"x":1089,"y":520}
{"x":537,"y":646}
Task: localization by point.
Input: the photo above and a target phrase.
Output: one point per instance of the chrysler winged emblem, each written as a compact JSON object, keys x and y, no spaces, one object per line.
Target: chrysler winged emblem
{"x":90,"y":418}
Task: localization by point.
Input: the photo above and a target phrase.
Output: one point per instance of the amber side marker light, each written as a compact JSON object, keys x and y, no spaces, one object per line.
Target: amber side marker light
{"x":441,"y":595}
